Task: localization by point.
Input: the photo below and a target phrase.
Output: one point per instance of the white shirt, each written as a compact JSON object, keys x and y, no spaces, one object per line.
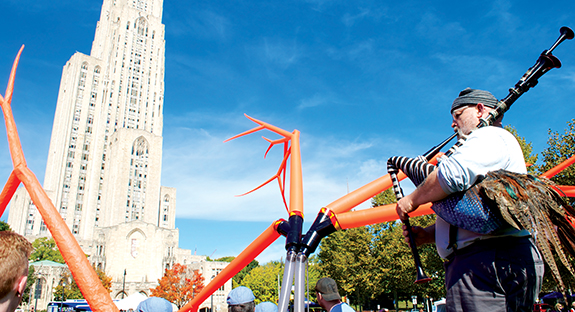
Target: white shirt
{"x":486,"y":149}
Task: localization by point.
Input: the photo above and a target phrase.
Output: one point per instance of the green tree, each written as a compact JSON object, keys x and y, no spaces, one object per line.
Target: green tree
{"x":313,"y":274}
{"x":346,"y":256}
{"x":67,"y":288}
{"x":45,"y":249}
{"x":263,"y":281}
{"x":559,"y":148}
{"x":391,"y":249}
{"x":4,"y":226}
{"x":395,"y":258}
{"x":527,"y":149}
{"x":375,"y":261}
{"x":237,"y":280}
{"x":383,"y":198}
{"x":29,"y":282}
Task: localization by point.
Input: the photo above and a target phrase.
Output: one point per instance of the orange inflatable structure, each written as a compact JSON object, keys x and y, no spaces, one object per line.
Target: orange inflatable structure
{"x":338,"y":212}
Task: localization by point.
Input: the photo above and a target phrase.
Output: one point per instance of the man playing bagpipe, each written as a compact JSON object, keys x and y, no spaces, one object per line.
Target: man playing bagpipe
{"x":497,"y":271}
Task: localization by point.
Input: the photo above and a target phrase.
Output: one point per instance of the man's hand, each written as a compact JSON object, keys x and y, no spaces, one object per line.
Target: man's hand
{"x":421,"y":235}
{"x":428,"y":191}
{"x":404,"y":206}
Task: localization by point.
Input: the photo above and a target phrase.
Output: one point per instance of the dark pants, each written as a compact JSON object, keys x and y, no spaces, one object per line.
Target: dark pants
{"x":498,"y":274}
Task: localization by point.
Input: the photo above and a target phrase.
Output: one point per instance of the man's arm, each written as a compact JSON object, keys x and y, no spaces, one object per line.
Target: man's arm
{"x":428,"y":191}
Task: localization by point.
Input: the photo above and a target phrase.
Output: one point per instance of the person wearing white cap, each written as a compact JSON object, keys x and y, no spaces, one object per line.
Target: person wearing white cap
{"x":154,"y":304}
{"x":499,"y":271}
{"x":241,"y":299}
{"x":267,"y":307}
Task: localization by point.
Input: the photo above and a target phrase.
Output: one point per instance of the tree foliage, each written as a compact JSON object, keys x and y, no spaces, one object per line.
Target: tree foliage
{"x":29,"y":282}
{"x":375,"y":261}
{"x":263,"y":281}
{"x":237,"y":280}
{"x":347,"y":257}
{"x":226,"y":259}
{"x":313,"y":274}
{"x":4,"y":226}
{"x":45,"y":249}
{"x":527,"y":149}
{"x":392,"y":252}
{"x":105,"y":279}
{"x":68,"y":289}
{"x":383,"y":198}
{"x":179,"y":285}
{"x":559,"y":148}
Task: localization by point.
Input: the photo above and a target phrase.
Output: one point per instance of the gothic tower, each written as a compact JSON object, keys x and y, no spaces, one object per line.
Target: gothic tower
{"x":104,"y":162}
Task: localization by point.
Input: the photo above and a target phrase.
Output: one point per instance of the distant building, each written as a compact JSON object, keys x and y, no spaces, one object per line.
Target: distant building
{"x":104,"y":164}
{"x":47,"y":277}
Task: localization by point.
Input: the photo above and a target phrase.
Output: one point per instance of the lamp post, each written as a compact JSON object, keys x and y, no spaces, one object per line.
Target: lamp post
{"x":37,"y":293}
{"x":124,"y":284}
{"x":212,"y":297}
{"x":62,"y":284}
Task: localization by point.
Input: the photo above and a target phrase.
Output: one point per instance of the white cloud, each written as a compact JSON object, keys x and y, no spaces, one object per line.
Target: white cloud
{"x":203,"y":24}
{"x":502,"y":11}
{"x":361,"y":50}
{"x":315,"y":100}
{"x":281,"y":52}
{"x":438,"y":31}
{"x":208,"y":174}
{"x":349,"y":20}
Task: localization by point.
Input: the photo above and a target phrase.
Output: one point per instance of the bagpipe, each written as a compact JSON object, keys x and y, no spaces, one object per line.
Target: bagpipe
{"x":530,"y":202}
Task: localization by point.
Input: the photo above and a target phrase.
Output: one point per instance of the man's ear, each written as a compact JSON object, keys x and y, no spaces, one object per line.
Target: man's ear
{"x":481,"y":110}
{"x":21,"y":284}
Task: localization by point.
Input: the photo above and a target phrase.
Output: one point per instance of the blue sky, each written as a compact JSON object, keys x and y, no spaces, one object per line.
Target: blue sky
{"x":362,"y":81}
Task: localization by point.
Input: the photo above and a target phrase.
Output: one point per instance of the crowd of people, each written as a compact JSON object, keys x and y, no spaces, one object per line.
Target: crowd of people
{"x":242,"y":299}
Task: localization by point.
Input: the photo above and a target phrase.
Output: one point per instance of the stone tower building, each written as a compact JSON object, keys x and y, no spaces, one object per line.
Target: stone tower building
{"x":104,"y":163}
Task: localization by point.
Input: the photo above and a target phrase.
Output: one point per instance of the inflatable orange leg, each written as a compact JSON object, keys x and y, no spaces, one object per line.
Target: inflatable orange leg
{"x":243,"y":259}
{"x":97,"y":296}
{"x":555,"y":170}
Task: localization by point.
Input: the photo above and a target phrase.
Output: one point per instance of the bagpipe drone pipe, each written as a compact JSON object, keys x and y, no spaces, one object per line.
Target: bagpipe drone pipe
{"x":502,"y":198}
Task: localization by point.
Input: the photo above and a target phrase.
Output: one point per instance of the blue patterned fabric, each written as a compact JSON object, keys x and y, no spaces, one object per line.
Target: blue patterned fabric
{"x":469,"y":211}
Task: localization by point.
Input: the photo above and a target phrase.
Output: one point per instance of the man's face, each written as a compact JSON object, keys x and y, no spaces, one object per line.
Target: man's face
{"x":465,"y":119}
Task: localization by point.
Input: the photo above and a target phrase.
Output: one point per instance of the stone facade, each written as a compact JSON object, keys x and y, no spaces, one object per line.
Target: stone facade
{"x":48,"y":275}
{"x":103,"y":170}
